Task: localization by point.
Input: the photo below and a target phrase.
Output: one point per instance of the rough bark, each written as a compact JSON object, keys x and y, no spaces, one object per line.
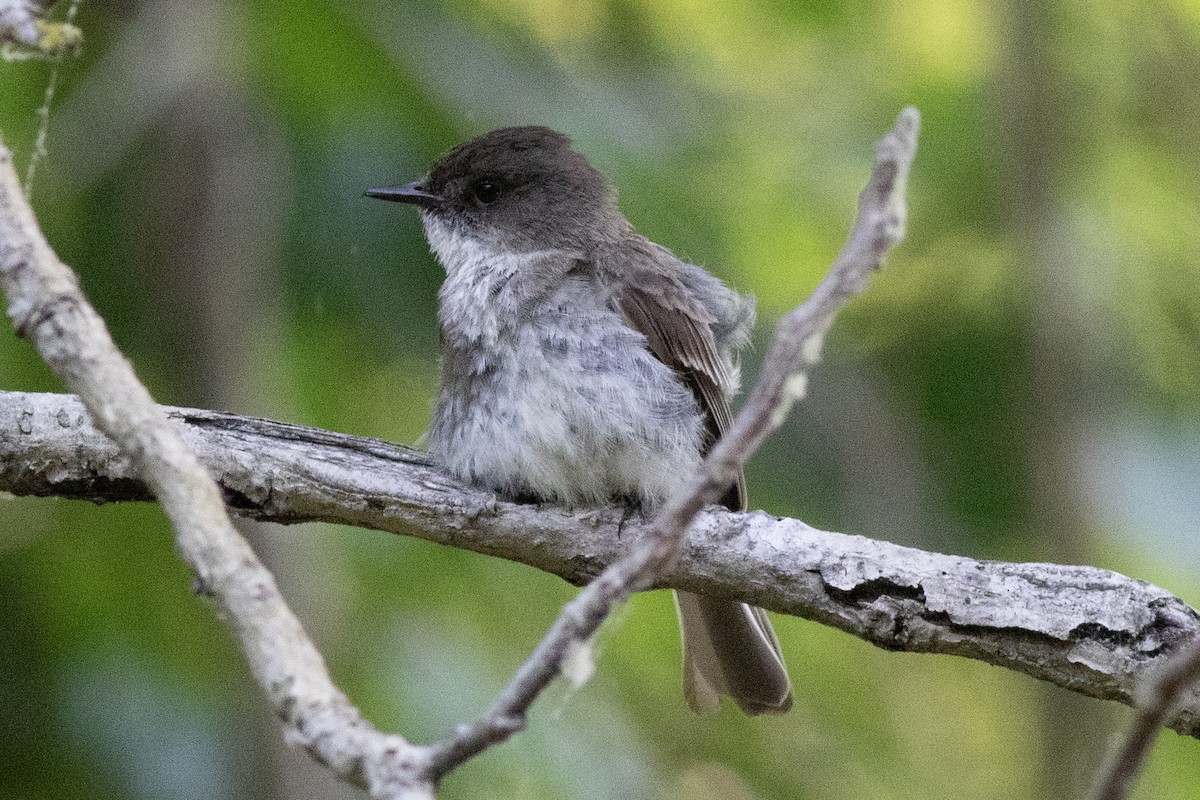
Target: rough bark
{"x":1086,"y":629}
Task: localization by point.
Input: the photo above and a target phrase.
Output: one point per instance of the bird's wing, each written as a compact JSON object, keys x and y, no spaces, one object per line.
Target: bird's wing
{"x":678,"y":331}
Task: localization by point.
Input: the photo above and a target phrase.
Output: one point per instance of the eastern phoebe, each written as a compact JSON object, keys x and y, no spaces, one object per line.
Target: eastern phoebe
{"x":582,"y":363}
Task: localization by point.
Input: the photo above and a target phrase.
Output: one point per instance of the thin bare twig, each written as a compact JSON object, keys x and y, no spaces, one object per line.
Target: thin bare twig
{"x":1116,"y":779}
{"x":43,"y":112}
{"x":797,"y":346}
{"x":47,"y":306}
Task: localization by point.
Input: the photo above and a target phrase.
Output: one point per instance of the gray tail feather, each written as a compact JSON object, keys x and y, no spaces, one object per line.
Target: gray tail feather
{"x":730,"y":648}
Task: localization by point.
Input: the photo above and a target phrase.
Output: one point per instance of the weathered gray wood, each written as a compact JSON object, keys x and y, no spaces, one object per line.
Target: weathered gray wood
{"x":1086,"y":629}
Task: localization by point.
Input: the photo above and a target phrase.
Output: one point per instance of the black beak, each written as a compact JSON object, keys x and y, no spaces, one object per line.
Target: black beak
{"x":408,"y":193}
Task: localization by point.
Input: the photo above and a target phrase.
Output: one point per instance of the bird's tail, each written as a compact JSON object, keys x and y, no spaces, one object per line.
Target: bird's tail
{"x":730,"y":648}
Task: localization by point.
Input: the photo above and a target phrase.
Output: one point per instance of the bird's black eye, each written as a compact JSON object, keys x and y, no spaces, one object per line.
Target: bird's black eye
{"x":486,"y":192}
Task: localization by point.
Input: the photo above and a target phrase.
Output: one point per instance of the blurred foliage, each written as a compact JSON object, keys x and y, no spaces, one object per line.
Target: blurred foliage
{"x":1022,"y":380}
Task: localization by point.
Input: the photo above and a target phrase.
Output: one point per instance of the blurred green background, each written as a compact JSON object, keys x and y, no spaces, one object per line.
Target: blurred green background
{"x":1021,"y":382}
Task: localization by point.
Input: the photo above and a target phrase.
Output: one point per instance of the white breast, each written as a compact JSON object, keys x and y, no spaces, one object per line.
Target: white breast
{"x":546,"y":392}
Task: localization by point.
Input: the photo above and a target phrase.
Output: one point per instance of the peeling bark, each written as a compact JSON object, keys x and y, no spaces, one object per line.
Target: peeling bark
{"x":1086,"y":629}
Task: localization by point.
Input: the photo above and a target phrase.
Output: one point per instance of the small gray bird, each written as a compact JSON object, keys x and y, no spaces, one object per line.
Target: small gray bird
{"x":584,"y":364}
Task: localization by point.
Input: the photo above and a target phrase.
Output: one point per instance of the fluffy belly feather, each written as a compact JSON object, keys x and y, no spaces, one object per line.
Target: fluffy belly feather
{"x":530,"y":426}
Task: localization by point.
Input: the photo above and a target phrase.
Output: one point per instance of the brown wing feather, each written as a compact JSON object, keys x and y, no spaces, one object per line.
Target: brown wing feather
{"x":728,"y":647}
{"x":678,"y":331}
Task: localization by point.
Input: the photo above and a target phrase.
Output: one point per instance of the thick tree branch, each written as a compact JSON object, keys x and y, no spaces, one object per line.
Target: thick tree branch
{"x":1086,"y":629}
{"x":47,"y":307}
